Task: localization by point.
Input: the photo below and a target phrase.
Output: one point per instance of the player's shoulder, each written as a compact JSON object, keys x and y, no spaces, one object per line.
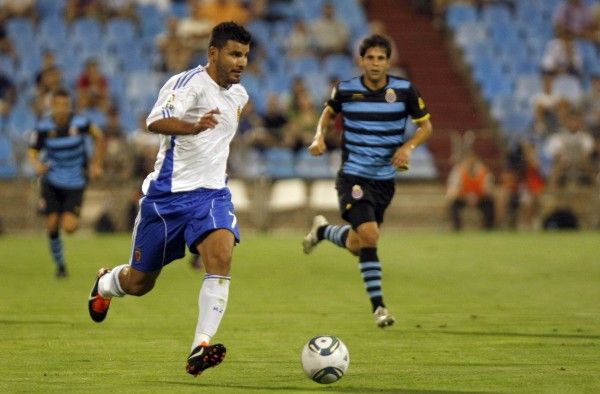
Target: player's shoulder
{"x":396,"y":82}
{"x":351,"y":84}
{"x":80,"y":120}
{"x":45,"y":124}
{"x":186,"y":78}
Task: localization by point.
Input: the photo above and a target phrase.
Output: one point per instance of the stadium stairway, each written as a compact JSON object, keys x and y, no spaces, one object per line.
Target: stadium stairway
{"x":424,"y":53}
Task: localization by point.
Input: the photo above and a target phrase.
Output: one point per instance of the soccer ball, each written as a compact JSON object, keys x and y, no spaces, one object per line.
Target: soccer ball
{"x":325,"y":359}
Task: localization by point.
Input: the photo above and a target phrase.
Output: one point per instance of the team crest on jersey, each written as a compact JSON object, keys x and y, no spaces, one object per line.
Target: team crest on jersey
{"x":170,"y":103}
{"x":421,"y":103}
{"x":390,"y":95}
{"x":357,"y":192}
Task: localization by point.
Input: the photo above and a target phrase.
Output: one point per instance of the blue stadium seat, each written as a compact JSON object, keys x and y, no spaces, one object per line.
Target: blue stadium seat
{"x":458,"y":14}
{"x":279,"y":163}
{"x":52,"y":33}
{"x":179,"y":9}
{"x":313,"y":167}
{"x":151,"y":19}
{"x":8,"y":167}
{"x":255,"y":166}
{"x":50,"y":8}
{"x":304,"y":65}
{"x":340,"y":66}
{"x":86,"y":30}
{"x":121,"y":30}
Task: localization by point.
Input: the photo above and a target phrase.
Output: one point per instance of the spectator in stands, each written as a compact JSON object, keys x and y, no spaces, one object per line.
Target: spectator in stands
{"x":302,"y":122}
{"x":595,"y":30}
{"x":471,"y":183}
{"x":176,"y":55}
{"x":521,"y":187}
{"x":92,"y":88}
{"x":8,"y":92}
{"x":117,"y":159}
{"x":563,"y":59}
{"x":591,"y":107}
{"x":274,"y":122}
{"x":17,"y":9}
{"x":546,"y":107}
{"x":75,"y":9}
{"x":299,"y":43}
{"x":6,"y":46}
{"x":217,"y":11}
{"x":145,"y":147}
{"x":572,"y":17}
{"x":48,"y":61}
{"x":126,"y":9}
{"x":571,"y":152}
{"x":195,"y":29}
{"x":50,"y":82}
{"x":330,"y":34}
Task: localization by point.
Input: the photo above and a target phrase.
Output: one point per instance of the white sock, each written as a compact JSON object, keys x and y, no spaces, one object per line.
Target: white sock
{"x":212,"y":303}
{"x":109,"y":286}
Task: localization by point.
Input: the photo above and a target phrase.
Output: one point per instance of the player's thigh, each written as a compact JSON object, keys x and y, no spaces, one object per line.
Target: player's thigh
{"x":50,"y":200}
{"x":217,"y":214}
{"x":69,"y":222}
{"x":158,"y":238}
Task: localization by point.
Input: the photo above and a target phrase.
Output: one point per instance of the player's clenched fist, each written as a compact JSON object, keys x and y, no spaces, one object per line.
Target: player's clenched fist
{"x":207,"y":121}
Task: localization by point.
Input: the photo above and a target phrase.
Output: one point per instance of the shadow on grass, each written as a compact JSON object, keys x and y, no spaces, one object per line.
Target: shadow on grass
{"x":513,"y":334}
{"x":331,"y":389}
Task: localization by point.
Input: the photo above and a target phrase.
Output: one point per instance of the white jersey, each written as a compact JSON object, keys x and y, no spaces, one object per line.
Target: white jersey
{"x":189,"y":162}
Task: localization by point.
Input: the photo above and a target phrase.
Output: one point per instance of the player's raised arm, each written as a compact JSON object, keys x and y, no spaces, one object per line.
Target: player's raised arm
{"x":176,"y":126}
{"x":96,"y":167}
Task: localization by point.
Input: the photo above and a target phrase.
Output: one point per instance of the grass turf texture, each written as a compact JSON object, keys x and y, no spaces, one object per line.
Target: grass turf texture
{"x":485,"y":312}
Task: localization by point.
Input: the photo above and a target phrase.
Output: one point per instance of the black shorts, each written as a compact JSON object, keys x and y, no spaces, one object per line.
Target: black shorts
{"x":57,"y":200}
{"x":363,"y":200}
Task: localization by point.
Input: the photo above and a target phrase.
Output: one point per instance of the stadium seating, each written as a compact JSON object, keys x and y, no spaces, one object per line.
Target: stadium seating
{"x":128,"y":57}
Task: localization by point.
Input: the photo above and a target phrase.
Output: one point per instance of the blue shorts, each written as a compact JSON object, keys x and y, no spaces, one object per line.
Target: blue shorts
{"x":164,"y":226}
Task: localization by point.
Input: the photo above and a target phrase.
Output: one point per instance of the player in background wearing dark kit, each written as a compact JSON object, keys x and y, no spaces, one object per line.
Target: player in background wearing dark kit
{"x":375,"y":108}
{"x":186,"y":202}
{"x":58,"y":155}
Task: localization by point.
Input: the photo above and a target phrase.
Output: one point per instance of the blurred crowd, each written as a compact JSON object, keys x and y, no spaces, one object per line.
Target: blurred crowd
{"x":115,"y":84}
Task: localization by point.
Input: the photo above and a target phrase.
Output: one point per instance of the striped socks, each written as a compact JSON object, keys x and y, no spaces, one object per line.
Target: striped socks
{"x":370,"y":269}
{"x":56,"y":248}
{"x":335,"y":234}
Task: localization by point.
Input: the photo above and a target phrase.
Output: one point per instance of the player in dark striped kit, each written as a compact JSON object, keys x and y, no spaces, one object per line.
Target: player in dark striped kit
{"x":375,"y":108}
{"x":62,"y":165}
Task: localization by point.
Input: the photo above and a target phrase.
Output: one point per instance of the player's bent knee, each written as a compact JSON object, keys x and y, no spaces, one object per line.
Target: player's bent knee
{"x":139,"y":289}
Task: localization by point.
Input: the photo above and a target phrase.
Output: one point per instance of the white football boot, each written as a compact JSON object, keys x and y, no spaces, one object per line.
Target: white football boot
{"x":310,"y":239}
{"x":383,"y":317}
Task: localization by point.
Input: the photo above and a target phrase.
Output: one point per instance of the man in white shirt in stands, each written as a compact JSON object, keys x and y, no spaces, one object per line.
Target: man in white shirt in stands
{"x":186,"y":201}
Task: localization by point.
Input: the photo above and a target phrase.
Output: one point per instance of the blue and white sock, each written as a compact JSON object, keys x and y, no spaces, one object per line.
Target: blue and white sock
{"x":56,"y":248}
{"x":370,"y":269}
{"x":335,"y":234}
{"x":212,"y":303}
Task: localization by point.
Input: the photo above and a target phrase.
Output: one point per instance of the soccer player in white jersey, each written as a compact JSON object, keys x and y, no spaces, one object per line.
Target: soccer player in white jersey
{"x":186,"y":201}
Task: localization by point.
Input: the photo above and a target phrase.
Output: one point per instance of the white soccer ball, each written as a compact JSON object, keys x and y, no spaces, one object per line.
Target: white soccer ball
{"x":325,"y":359}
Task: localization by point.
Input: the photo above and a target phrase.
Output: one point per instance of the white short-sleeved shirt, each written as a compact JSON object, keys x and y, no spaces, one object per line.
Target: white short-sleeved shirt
{"x":189,"y":162}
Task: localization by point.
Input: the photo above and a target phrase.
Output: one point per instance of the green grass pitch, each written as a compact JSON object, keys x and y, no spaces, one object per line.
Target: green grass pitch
{"x":477,"y":312}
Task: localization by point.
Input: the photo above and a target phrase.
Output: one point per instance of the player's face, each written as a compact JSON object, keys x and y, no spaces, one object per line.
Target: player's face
{"x":230,"y":62}
{"x":375,"y":64}
{"x":61,"y":108}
